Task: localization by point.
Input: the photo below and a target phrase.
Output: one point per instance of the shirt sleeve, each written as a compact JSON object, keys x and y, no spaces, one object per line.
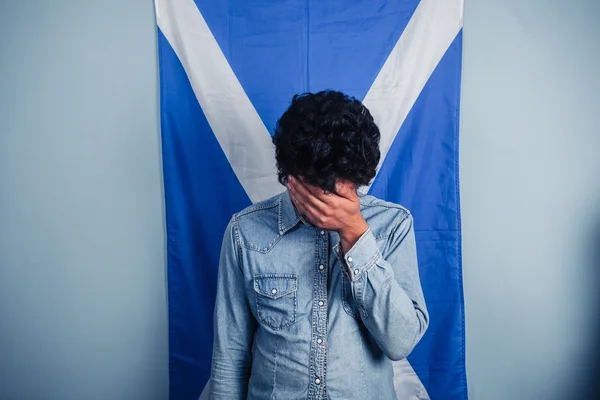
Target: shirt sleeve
{"x":387,"y":290}
{"x":234,"y":325}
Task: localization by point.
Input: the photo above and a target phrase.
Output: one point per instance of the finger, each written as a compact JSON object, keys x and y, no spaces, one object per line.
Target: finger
{"x":318,"y":193}
{"x":298,"y":205}
{"x":302,"y":193}
{"x":346,"y":190}
{"x":304,"y":209}
{"x":311,"y":215}
{"x":299,"y":200}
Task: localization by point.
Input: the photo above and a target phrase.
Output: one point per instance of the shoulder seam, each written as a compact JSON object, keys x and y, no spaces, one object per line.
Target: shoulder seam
{"x":236,"y":233}
{"x":399,"y":224}
{"x":387,"y":204}
{"x":256,"y":207}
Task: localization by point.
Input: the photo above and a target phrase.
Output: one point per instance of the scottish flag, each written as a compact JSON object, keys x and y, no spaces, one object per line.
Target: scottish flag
{"x":228,"y":70}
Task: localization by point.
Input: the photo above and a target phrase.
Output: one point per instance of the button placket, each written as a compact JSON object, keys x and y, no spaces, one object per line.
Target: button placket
{"x":318,"y":348}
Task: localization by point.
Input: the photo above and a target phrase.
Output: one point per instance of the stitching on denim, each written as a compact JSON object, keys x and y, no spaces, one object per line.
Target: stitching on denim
{"x":280,"y":214}
{"x":276,"y":276}
{"x":277,"y":328}
{"x":312,"y":361}
{"x":283,"y":229}
{"x":238,"y":240}
{"x":372,"y":261}
{"x":252,"y":209}
{"x":345,"y":305}
{"x":275,"y":370}
{"x":263,"y":250}
{"x":359,"y":288}
{"x":257,"y":207}
{"x":262,"y":318}
{"x":259,"y":277}
{"x":240,"y":258}
{"x":387,"y":205}
{"x":324,"y":351}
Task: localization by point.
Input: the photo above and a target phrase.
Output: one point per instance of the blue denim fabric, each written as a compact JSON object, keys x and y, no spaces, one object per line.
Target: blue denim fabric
{"x":295,"y":318}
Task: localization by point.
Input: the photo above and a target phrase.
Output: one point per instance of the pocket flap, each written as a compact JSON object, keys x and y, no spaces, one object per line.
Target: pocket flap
{"x":275,"y":285}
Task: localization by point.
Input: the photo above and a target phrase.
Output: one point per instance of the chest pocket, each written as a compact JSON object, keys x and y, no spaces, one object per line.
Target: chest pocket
{"x":276,"y":299}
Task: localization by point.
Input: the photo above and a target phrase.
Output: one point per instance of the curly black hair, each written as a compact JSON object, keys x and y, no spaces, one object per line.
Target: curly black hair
{"x":326,"y":136}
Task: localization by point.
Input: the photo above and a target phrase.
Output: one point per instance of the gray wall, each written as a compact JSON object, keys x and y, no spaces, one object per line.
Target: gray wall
{"x":82,"y":293}
{"x":530,"y":181}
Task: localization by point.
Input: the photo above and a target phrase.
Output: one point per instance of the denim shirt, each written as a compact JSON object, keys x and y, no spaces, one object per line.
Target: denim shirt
{"x":296,"y":318}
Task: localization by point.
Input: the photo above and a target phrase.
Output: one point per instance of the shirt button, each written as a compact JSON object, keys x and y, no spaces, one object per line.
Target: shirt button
{"x":349,"y":259}
{"x":317,"y":381}
{"x":356,"y":271}
{"x":322,"y":232}
{"x":321,"y":267}
{"x":319,"y":341}
{"x":274,"y":291}
{"x":321,"y":303}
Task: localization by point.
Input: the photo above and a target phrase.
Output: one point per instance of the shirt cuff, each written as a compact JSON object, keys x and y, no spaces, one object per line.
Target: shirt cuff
{"x":361,"y":257}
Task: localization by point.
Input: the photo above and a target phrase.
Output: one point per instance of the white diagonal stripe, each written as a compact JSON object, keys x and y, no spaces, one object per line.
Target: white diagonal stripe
{"x":429,"y":33}
{"x":232,"y":117}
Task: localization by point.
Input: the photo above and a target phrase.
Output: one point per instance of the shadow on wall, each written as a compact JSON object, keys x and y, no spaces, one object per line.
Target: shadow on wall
{"x":591,"y":387}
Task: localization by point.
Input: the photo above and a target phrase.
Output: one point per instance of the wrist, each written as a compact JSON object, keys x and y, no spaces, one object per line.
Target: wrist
{"x":350,"y":234}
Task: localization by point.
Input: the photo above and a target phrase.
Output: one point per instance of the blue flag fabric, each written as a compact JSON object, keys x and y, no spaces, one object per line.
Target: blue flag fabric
{"x":228,"y":70}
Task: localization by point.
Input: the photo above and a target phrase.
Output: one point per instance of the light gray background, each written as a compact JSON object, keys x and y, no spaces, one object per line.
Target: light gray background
{"x":82,"y":259}
{"x":83,"y":312}
{"x":530,"y":187}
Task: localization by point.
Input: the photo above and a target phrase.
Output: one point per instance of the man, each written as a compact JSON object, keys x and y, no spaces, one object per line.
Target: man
{"x":318,"y":287}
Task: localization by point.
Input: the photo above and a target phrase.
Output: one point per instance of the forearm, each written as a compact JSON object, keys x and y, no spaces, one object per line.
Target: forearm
{"x":388,"y":292}
{"x":395,"y":322}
